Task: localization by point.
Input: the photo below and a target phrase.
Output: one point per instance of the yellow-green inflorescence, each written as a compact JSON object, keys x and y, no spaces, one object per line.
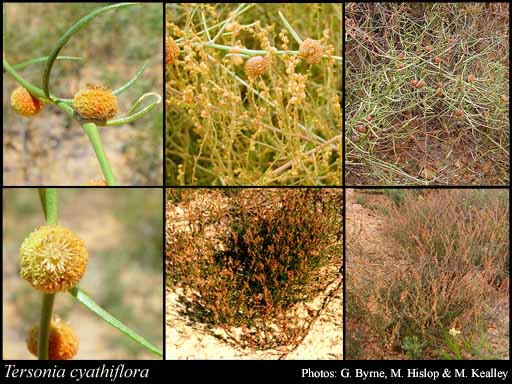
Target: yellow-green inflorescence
{"x":53,"y":259}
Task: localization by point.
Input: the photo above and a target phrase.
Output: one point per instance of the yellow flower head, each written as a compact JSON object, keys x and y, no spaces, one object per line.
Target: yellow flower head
{"x":97,"y":104}
{"x":172,"y":51}
{"x":24,"y":103}
{"x":257,"y":66}
{"x":53,"y":259}
{"x":63,"y":343}
{"x":311,"y":51}
{"x":454,"y":332}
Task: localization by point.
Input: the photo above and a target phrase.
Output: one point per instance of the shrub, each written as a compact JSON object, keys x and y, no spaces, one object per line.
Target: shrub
{"x":251,"y":259}
{"x":451,"y":259}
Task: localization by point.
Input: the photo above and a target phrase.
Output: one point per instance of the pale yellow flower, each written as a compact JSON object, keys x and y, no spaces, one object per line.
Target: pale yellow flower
{"x":454,"y":332}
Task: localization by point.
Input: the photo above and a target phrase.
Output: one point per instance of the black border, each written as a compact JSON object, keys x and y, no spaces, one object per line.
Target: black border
{"x":237,"y":370}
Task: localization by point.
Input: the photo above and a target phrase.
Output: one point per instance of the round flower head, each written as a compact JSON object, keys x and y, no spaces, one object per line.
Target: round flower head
{"x":97,"y":104}
{"x":24,"y":103}
{"x":63,"y":343}
{"x":97,"y":183}
{"x":53,"y":259}
{"x":172,"y":51}
{"x":311,"y":51}
{"x":257,"y":66}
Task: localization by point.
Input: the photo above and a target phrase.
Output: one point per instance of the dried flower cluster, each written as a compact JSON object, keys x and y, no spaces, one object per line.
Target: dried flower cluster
{"x":311,"y":51}
{"x":172,"y":51}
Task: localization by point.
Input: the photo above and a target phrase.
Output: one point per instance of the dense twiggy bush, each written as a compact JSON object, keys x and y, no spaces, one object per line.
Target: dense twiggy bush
{"x":253,"y":94}
{"x":427,"y":93}
{"x":249,"y":260}
{"x":451,"y":263}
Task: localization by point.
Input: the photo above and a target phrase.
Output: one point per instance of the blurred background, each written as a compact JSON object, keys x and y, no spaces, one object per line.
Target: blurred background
{"x":52,"y":150}
{"x":122,"y":229}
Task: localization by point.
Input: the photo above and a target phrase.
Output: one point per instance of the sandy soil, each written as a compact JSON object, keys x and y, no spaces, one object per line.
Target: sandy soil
{"x":35,"y":153}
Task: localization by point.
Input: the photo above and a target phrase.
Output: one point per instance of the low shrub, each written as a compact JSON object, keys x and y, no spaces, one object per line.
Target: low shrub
{"x":251,"y":259}
{"x":451,"y":260}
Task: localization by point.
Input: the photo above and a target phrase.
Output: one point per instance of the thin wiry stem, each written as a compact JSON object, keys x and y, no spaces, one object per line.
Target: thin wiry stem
{"x":67,"y":35}
{"x":48,"y":198}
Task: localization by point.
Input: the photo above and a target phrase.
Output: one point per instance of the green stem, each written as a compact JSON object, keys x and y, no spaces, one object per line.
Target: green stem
{"x":45,"y":325}
{"x":290,"y":28}
{"x":94,"y":137}
{"x":48,"y":198}
{"x":254,"y":52}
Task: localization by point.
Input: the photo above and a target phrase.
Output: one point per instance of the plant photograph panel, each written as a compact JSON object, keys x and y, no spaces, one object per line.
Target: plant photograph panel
{"x":101,"y":122}
{"x":254,"y":274}
{"x":427,"y":93}
{"x":427,"y":274}
{"x":253,"y":94}
{"x":90,"y":260}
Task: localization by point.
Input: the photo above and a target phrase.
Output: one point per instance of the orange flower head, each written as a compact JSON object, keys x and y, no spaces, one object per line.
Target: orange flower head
{"x":53,"y":259}
{"x":24,"y":103}
{"x":421,"y":84}
{"x":311,"y":51}
{"x":63,"y":343}
{"x":97,"y":183}
{"x":459,"y":112}
{"x":97,"y":104}
{"x":471,"y":78}
{"x":257,"y":65}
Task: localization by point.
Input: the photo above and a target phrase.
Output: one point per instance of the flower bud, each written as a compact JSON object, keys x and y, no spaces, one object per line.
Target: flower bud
{"x":257,"y":66}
